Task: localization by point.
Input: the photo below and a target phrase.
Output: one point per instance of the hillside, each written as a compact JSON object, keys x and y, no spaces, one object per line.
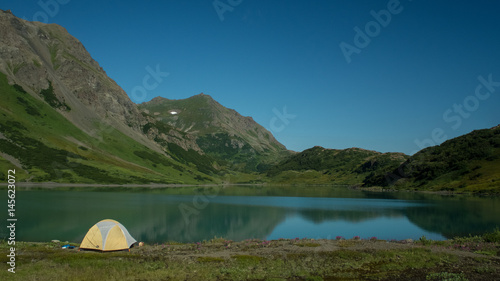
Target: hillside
{"x":469,"y":163}
{"x":42,"y":145}
{"x":320,"y":165}
{"x":234,"y":141}
{"x":64,"y":120}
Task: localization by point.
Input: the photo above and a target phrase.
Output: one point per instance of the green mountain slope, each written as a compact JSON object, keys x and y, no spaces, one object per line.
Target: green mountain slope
{"x":233,"y":141}
{"x":62,"y":119}
{"x":322,"y":166}
{"x":44,"y":146}
{"x":65,"y":120}
{"x":469,"y":163}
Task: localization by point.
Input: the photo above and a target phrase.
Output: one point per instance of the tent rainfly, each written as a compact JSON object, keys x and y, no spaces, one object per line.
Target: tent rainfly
{"x":107,"y":235}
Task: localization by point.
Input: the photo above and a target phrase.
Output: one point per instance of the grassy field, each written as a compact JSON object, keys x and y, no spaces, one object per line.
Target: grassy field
{"x":470,"y":258}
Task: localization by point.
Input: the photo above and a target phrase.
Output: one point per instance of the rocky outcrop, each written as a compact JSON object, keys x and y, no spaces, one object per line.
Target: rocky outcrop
{"x":51,"y":65}
{"x":38,"y":56}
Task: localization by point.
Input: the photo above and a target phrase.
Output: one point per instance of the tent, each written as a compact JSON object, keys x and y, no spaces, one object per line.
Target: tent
{"x":107,"y":235}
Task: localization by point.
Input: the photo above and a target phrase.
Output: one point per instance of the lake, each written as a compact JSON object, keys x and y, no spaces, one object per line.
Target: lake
{"x":191,"y":214}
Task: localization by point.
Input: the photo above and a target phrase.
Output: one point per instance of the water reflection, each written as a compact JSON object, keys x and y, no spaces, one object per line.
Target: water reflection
{"x":156,"y":217}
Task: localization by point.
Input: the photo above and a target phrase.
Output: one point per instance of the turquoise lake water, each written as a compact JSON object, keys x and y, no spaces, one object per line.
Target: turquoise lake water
{"x":196,"y":214}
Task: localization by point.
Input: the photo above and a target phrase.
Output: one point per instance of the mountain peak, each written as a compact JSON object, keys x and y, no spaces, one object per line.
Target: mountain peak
{"x":220,"y":132}
{"x":160,"y":99}
{"x":7,"y":11}
{"x":156,"y":100}
{"x":203,"y":96}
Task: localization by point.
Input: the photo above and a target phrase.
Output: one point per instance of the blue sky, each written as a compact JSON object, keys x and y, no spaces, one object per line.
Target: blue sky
{"x":405,"y":82}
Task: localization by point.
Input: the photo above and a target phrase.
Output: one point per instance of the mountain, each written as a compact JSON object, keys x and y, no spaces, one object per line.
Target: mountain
{"x":234,"y":141}
{"x":468,"y":163}
{"x":46,"y":60}
{"x":64,"y":120}
{"x":350,"y":166}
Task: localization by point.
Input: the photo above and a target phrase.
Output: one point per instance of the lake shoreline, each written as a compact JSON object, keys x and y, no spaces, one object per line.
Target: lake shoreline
{"x":152,"y":186}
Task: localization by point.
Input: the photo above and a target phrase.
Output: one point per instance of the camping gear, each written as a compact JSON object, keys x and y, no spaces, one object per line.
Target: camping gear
{"x":107,"y":235}
{"x":67,"y":246}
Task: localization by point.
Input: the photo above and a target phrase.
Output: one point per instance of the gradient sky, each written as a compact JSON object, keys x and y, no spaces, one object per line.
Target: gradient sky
{"x":411,"y":85}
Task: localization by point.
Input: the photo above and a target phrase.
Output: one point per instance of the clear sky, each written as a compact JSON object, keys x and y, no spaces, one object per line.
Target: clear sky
{"x":391,"y":76}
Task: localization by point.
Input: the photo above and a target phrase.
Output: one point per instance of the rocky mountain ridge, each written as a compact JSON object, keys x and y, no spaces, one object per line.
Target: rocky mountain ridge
{"x":219,"y":132}
{"x":47,"y":63}
{"x":62,"y":119}
{"x":39,"y":56}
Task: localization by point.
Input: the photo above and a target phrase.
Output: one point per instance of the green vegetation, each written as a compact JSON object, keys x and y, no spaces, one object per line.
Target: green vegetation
{"x":49,"y":96}
{"x":233,"y":151}
{"x":446,"y":276}
{"x":41,"y":141}
{"x":202,"y":162}
{"x":36,"y":63}
{"x":230,"y":140}
{"x":53,"y":55}
{"x":29,"y":108}
{"x":318,"y":165}
{"x":469,"y":163}
{"x":485,"y":244}
{"x":197,"y":139}
{"x":283,"y":259}
{"x":157,"y":159}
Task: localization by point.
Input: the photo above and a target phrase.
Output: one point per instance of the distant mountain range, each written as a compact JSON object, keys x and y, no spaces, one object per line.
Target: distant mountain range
{"x":62,"y":119}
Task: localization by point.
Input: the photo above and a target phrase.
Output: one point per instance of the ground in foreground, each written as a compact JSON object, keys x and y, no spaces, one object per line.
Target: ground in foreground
{"x":284,"y":259}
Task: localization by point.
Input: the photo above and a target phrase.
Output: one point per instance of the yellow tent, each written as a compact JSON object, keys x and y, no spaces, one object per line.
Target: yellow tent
{"x":107,"y":235}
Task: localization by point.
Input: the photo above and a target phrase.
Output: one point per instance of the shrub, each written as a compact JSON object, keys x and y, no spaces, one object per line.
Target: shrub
{"x":50,"y":97}
{"x":19,"y":88}
{"x":493,"y":237}
{"x":424,"y":240}
{"x":446,"y":276}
